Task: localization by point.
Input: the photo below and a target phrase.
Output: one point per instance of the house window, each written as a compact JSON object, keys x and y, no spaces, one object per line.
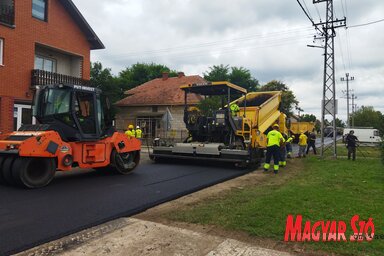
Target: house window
{"x":7,"y":12}
{"x":39,"y":9}
{"x":22,"y":114}
{"x":1,"y":50}
{"x":45,"y":63}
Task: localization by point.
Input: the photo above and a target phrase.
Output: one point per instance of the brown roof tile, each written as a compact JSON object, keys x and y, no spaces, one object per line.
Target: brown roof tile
{"x":161,"y":92}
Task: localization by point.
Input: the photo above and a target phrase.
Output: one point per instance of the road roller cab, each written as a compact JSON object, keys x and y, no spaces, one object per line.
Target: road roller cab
{"x":74,"y":130}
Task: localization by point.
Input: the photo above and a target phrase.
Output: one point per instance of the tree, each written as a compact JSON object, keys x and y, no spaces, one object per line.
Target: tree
{"x":339,"y":123}
{"x":141,"y":73}
{"x":236,"y":75}
{"x":367,"y":116}
{"x":209,"y":105}
{"x":311,"y":118}
{"x":103,"y":79}
{"x":217,"y":73}
{"x":242,"y":77}
{"x":288,"y":100}
{"x":308,"y":118}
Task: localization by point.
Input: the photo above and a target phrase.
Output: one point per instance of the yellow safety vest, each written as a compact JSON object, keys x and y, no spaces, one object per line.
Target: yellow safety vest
{"x":303,"y":139}
{"x":274,"y":138}
{"x":234,"y":109}
{"x":130,"y":133}
{"x":139,"y":133}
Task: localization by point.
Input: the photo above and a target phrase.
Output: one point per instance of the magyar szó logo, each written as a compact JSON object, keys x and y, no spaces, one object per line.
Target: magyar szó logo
{"x":328,"y":230}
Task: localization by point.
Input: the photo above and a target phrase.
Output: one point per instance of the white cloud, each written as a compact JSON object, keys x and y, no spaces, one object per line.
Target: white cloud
{"x":268,"y":37}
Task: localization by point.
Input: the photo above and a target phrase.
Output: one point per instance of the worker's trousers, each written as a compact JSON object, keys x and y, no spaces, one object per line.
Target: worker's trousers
{"x":351,"y":151}
{"x":272,"y":151}
{"x":288,"y":147}
{"x":282,"y":157}
{"x":311,"y":145}
{"x":302,"y":150}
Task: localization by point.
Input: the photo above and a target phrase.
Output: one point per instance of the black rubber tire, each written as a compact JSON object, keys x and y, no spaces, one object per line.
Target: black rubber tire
{"x":33,"y":172}
{"x":2,"y":181}
{"x":6,"y":170}
{"x":125,"y":163}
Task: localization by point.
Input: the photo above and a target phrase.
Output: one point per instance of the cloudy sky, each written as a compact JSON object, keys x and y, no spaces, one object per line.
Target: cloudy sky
{"x":268,"y":37}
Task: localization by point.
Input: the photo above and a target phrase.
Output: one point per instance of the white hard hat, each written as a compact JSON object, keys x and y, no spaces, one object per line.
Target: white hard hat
{"x":137,"y":127}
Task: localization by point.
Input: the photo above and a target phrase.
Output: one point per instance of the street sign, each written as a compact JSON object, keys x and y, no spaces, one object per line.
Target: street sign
{"x":328,"y":107}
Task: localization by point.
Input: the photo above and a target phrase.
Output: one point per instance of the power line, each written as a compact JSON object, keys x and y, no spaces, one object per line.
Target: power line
{"x":346,"y":8}
{"x":305,"y":12}
{"x":318,"y":13}
{"x":307,"y":9}
{"x":269,"y":39}
{"x":366,"y":24}
{"x":349,"y":49}
{"x":215,"y":51}
{"x":342,"y":7}
{"x":342,"y":55}
{"x":309,"y":17}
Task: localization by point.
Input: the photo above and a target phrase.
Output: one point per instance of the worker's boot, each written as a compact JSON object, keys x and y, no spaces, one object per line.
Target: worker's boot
{"x":275,"y":169}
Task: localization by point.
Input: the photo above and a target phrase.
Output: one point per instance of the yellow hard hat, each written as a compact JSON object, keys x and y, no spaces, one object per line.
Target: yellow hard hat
{"x":130,"y":126}
{"x":276,"y":125}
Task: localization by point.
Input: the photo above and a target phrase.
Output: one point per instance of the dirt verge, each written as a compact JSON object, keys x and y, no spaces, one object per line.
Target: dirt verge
{"x":256,"y":178}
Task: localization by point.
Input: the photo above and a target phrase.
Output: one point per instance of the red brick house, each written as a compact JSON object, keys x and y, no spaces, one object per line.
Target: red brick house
{"x":41,"y":42}
{"x":146,"y":106}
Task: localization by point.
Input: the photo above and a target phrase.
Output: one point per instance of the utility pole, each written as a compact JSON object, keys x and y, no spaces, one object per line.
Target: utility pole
{"x":329,"y":92}
{"x":347,"y":79}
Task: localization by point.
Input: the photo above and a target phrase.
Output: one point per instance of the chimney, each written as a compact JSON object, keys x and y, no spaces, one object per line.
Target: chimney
{"x":165,"y":75}
{"x":180,"y":74}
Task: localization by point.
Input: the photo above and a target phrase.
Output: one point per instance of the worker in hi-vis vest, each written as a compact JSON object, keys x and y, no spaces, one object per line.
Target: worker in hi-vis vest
{"x":288,"y":145}
{"x":274,"y":140}
{"x":130,"y":132}
{"x":283,"y":151}
{"x":139,"y":132}
{"x":302,"y":144}
{"x":234,"y":109}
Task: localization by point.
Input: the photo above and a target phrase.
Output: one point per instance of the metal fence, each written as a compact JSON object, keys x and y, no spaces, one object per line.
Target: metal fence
{"x":41,"y":77}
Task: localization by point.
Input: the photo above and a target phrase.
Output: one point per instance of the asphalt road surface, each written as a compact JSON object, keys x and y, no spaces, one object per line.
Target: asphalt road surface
{"x":82,"y":199}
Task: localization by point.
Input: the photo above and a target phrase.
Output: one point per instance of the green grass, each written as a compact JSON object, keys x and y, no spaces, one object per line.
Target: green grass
{"x":361,"y":151}
{"x":317,"y":189}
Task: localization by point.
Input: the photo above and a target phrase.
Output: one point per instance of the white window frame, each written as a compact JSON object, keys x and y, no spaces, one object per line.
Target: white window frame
{"x":1,"y":51}
{"x":18,"y":113}
{"x":44,"y":58}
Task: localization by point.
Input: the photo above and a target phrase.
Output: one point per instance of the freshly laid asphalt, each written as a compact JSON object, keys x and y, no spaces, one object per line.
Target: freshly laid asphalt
{"x":85,"y":198}
{"x":82,"y":199}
